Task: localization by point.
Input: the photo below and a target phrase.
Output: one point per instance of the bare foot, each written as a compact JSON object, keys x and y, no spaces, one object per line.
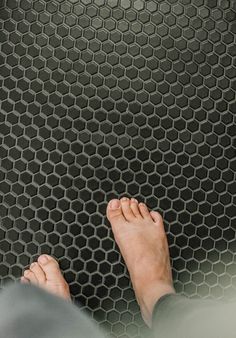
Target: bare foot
{"x":141,"y":238}
{"x":46,"y":274}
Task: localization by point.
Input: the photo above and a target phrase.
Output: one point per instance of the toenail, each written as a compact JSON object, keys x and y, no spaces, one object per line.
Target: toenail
{"x":134,"y":200}
{"x":26,"y":272}
{"x":43,"y":259}
{"x":32,"y":265}
{"x":114,"y":204}
{"x":124,"y":199}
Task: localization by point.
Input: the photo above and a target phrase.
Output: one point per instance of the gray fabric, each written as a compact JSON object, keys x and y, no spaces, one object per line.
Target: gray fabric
{"x":179,"y":317}
{"x":29,"y":312}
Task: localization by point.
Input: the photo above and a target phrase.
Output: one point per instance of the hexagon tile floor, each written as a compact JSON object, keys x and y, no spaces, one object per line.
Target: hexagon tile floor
{"x":105,"y":98}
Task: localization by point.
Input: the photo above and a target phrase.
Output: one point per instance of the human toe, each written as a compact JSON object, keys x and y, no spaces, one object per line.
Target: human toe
{"x":38,"y":271}
{"x":24,"y":280}
{"x":157,"y":218}
{"x":126,"y":209}
{"x":28,"y":274}
{"x":134,"y":207}
{"x":144,"y":211}
{"x":114,"y":212}
{"x":50,"y":268}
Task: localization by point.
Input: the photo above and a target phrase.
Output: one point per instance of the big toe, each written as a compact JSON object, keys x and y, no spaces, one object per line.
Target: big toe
{"x":114,"y":212}
{"x":51,"y":268}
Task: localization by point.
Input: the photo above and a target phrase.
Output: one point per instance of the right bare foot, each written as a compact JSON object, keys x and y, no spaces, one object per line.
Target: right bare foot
{"x":47,"y":275}
{"x":141,"y":238}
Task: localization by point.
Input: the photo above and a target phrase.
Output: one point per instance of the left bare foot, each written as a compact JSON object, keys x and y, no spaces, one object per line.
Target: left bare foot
{"x":46,"y":274}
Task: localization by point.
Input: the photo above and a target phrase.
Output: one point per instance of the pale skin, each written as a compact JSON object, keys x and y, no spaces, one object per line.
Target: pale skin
{"x":141,"y":238}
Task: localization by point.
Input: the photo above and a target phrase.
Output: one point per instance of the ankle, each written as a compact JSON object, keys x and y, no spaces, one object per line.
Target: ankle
{"x":149,"y":296}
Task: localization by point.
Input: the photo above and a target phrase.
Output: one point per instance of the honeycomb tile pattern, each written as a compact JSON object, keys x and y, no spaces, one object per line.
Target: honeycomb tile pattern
{"x":105,"y":98}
